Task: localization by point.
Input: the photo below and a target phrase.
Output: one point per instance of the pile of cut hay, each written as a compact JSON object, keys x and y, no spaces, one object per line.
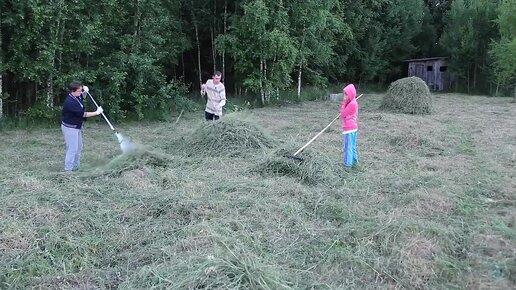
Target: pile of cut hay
{"x":313,"y":168}
{"x":408,"y":95}
{"x":228,"y":136}
{"x":232,"y":261}
{"x":137,"y":159}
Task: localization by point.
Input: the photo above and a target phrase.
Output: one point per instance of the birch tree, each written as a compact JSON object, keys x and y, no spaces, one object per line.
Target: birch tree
{"x":314,"y":27}
{"x":262,"y":48}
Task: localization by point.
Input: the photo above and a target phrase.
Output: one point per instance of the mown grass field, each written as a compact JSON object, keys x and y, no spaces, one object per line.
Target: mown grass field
{"x":431,"y":206}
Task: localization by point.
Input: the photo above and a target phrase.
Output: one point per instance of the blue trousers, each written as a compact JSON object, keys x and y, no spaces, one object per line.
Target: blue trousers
{"x":349,"y":149}
{"x":73,"y":147}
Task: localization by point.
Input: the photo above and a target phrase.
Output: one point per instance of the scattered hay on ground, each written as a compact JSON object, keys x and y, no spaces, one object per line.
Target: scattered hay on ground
{"x":416,"y":260}
{"x":408,"y":95}
{"x":313,"y":168}
{"x":430,"y":203}
{"x":408,"y":140}
{"x":16,"y":240}
{"x":228,"y":136}
{"x":137,"y":161}
{"x":405,"y":141}
{"x":231,"y":263}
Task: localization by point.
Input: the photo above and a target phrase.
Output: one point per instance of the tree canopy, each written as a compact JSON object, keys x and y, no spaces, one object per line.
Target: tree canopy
{"x":140,"y":55}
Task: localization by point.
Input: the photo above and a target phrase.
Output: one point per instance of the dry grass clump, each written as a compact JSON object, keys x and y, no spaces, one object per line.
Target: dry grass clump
{"x":417,"y":264}
{"x":134,"y":161}
{"x":408,"y":95}
{"x":229,"y":135}
{"x":431,"y":202}
{"x":313,"y":168}
{"x":16,"y":240}
{"x":232,"y":263}
{"x":408,"y":140}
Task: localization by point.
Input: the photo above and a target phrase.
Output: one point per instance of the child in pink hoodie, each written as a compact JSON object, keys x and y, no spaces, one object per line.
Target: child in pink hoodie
{"x":349,"y":114}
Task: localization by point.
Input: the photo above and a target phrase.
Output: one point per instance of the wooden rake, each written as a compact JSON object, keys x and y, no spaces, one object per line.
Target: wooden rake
{"x":295,"y":155}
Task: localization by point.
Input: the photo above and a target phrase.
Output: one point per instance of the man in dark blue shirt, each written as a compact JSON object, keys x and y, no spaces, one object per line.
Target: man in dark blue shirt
{"x":72,"y":118}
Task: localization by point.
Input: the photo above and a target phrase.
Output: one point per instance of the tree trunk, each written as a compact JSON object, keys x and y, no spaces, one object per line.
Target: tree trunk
{"x":515,"y":93}
{"x":468,"y":78}
{"x":475,"y":77}
{"x":198,"y":53}
{"x":1,"y":74}
{"x":266,"y":90}
{"x":299,"y":81}
{"x":212,"y":30}
{"x":225,"y":28}
{"x":50,"y":88}
{"x":213,"y":49}
{"x":137,"y":23}
{"x":196,"y":29}
{"x":262,"y":94}
{"x":183,"y":65}
{"x":55,"y":32}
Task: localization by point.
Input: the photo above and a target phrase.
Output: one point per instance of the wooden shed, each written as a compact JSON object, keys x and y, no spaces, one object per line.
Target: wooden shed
{"x":433,"y":70}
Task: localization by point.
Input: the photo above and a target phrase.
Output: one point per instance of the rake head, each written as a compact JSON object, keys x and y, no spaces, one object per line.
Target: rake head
{"x":292,"y":156}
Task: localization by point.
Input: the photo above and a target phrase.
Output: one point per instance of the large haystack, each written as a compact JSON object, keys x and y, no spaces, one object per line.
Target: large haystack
{"x":408,"y":95}
{"x":228,"y":136}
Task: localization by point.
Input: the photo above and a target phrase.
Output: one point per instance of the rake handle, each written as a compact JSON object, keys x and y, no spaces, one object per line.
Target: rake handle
{"x":315,"y":137}
{"x":318,"y":134}
{"x":103,"y":115}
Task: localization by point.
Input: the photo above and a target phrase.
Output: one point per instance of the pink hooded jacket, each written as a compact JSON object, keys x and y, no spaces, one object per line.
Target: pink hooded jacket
{"x":349,"y":109}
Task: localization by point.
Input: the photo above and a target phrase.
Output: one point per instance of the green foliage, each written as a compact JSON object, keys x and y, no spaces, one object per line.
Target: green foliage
{"x":315,"y":30}
{"x":237,"y":105}
{"x":307,"y":94}
{"x":120,"y":48}
{"x":40,"y":114}
{"x":427,"y":41}
{"x":469,"y":27}
{"x":263,"y":50}
{"x":503,"y":52}
{"x":507,"y":18}
{"x":382,"y":34}
{"x":7,"y":124}
{"x":129,"y":51}
{"x":403,"y":21}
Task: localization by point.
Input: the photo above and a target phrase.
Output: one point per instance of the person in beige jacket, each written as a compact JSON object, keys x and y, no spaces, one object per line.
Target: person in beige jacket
{"x":216,"y":96}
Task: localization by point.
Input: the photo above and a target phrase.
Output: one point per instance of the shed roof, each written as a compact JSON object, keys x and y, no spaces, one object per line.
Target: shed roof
{"x":425,"y":59}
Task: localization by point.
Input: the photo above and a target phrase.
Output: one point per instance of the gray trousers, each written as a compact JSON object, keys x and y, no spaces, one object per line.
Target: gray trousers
{"x":73,"y":147}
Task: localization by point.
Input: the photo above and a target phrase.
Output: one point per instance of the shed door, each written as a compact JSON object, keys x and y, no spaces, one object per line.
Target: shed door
{"x":420,"y":71}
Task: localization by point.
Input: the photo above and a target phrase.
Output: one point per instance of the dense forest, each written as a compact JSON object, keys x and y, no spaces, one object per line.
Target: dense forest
{"x":141,"y":55}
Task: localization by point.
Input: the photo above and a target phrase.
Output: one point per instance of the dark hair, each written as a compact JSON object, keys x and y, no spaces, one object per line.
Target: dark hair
{"x":74,"y":86}
{"x":217,"y":73}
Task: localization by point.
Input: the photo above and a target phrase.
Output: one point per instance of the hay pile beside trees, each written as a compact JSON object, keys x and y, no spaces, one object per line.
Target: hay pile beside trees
{"x":228,"y":136}
{"x":408,"y":95}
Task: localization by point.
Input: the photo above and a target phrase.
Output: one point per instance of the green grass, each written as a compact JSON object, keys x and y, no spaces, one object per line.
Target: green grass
{"x":431,"y":205}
